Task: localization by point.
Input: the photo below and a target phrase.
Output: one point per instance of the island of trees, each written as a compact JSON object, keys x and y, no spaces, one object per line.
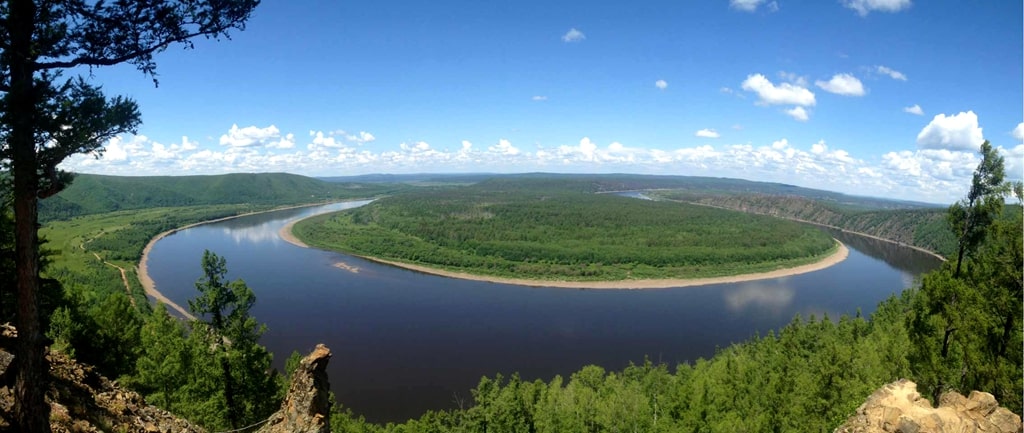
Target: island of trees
{"x":545,"y":229}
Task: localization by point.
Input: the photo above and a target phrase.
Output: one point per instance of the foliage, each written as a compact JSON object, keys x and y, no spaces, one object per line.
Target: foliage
{"x":232,"y":336}
{"x":93,"y":194}
{"x":508,"y":229}
{"x":44,"y":120}
{"x":921,"y":227}
{"x":807,"y":378}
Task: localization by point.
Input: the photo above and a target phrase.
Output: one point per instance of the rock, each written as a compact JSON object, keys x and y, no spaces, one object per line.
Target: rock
{"x":306,"y":408}
{"x":81,"y":400}
{"x":899,"y":408}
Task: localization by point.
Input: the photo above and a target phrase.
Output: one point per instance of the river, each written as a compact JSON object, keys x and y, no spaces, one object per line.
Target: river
{"x":406,"y":342}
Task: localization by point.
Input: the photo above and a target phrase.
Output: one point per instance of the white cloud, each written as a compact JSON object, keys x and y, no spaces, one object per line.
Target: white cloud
{"x":798,"y":113}
{"x":785,"y":93}
{"x":745,"y":5}
{"x":842,"y":84}
{"x":864,"y":7}
{"x":956,"y":132}
{"x":928,"y":173}
{"x":361,"y":138}
{"x":892,"y":73}
{"x":773,"y":6}
{"x":707,"y":133}
{"x":661,"y":84}
{"x":914,"y":109}
{"x":504,"y":147}
{"x":539,"y":98}
{"x":793,"y":78}
{"x":1018,"y":132}
{"x":573,"y":35}
{"x":250,"y":136}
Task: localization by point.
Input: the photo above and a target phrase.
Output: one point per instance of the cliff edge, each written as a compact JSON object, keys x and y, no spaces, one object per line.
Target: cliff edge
{"x":898,"y":407}
{"x":81,"y":400}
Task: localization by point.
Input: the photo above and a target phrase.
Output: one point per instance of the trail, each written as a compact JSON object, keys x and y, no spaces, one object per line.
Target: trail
{"x":124,"y":275}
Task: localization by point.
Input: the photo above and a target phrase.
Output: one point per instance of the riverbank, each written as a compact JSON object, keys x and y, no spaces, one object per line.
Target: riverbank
{"x":840,"y":254}
{"x":142,"y":270}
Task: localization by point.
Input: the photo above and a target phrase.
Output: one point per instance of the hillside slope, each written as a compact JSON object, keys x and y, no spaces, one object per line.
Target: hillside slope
{"x":91,"y":194}
{"x":923,"y":228}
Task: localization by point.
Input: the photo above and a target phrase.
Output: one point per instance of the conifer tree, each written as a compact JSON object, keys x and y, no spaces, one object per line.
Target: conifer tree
{"x":44,"y":119}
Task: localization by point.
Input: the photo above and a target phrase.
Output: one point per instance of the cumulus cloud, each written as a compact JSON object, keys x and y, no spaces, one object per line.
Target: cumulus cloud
{"x":661,"y":84}
{"x":785,"y":93}
{"x":931,"y":174}
{"x":745,"y":5}
{"x":892,"y":73}
{"x":707,"y":133}
{"x":914,"y":109}
{"x":842,"y":84}
{"x":539,"y":98}
{"x":504,"y":147}
{"x":798,"y":113}
{"x":251,"y":136}
{"x":1018,"y":132}
{"x":573,"y":35}
{"x":864,"y":7}
{"x":956,"y":132}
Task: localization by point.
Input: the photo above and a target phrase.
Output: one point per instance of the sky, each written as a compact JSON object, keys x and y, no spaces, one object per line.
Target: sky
{"x":884,"y":98}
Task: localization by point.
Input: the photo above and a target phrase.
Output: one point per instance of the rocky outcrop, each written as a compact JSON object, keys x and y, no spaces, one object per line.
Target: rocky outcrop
{"x":899,"y":408}
{"x":82,"y":400}
{"x":307,"y":407}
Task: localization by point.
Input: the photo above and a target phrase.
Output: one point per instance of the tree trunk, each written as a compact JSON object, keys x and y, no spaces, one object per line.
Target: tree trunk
{"x":31,"y":413}
{"x":229,"y":391}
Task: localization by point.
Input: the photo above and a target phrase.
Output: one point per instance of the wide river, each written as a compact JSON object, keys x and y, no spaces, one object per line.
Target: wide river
{"x":406,"y":342}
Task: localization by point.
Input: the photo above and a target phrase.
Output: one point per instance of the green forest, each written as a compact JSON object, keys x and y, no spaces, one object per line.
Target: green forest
{"x":951,"y":332}
{"x":921,"y":227}
{"x":550,"y":232}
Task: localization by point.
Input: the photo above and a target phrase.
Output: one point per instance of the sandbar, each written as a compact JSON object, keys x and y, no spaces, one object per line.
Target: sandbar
{"x":840,"y":254}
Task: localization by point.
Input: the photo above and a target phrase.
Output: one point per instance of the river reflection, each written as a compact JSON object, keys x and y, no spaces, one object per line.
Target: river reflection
{"x":406,"y":342}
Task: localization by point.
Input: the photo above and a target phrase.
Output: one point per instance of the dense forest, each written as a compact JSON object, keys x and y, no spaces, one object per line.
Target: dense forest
{"x":557,"y":233}
{"x":925,"y":227}
{"x":92,"y":194}
{"x":954,"y":331}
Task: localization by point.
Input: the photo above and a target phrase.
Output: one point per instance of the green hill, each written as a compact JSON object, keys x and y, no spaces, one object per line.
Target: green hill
{"x":924,"y":227}
{"x":92,"y":194}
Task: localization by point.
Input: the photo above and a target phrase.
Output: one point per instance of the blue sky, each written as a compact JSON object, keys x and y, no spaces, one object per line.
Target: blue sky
{"x":886,"y":98}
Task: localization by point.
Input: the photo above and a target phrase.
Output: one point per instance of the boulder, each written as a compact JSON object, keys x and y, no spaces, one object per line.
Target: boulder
{"x":899,"y":408}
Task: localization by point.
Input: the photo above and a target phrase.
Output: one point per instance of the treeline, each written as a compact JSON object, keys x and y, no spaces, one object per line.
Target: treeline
{"x":501,"y":228}
{"x":93,"y":194}
{"x":925,"y":228}
{"x":808,"y":377}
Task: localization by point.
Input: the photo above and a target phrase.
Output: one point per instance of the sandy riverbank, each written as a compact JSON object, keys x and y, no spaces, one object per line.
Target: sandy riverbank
{"x":142,"y":270}
{"x":838,"y":256}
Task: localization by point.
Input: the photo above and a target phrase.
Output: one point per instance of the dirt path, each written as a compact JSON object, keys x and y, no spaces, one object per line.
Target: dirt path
{"x":124,"y":275}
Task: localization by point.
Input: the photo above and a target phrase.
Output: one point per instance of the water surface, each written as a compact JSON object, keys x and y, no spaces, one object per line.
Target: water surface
{"x":406,"y":342}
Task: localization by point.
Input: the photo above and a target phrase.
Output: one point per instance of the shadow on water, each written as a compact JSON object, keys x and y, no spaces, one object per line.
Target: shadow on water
{"x":895,"y":255}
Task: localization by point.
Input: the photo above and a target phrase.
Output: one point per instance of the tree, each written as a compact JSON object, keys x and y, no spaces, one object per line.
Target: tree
{"x":967,"y":315}
{"x":43,"y":121}
{"x":971,"y":216}
{"x":233,"y":335}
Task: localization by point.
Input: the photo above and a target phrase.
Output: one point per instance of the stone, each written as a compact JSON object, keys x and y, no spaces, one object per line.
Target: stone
{"x":899,"y":408}
{"x":307,"y":407}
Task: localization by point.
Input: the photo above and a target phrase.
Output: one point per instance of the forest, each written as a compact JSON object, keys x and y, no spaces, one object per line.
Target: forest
{"x":549,"y":231}
{"x":808,"y":376}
